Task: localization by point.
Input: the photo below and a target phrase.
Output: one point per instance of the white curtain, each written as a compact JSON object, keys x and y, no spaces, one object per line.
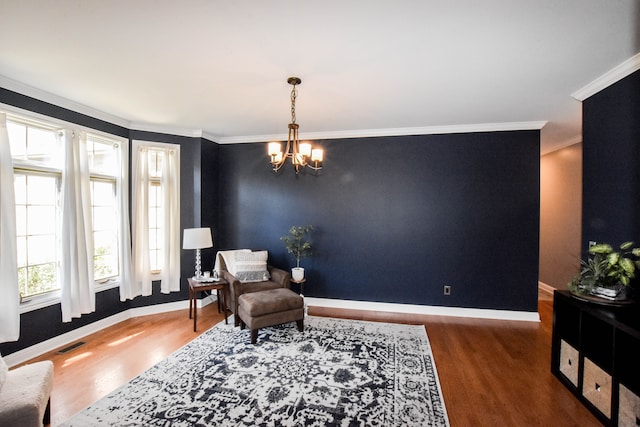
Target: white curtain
{"x":170,"y":278}
{"x":141,"y":284}
{"x":127,"y":290}
{"x":170,"y":190}
{"x":10,"y":300}
{"x":76,"y":272}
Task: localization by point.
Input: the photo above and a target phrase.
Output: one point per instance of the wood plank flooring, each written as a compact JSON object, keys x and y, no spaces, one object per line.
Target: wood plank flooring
{"x":492,"y":372}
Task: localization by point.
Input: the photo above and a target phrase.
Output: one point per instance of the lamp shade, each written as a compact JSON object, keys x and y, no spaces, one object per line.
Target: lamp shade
{"x":197,"y":238}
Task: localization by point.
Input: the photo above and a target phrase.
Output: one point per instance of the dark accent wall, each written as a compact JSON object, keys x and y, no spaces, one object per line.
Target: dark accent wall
{"x":611,"y":156}
{"x":209,"y":199}
{"x":397,"y":218}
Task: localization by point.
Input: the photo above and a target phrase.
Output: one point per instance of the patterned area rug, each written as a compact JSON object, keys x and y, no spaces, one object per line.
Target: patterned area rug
{"x":336,"y":373}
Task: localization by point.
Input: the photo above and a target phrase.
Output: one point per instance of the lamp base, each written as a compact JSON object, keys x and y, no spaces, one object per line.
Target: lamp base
{"x":198,"y":265}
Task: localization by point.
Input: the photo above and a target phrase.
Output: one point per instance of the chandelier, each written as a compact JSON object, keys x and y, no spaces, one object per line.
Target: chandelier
{"x":301,"y":153}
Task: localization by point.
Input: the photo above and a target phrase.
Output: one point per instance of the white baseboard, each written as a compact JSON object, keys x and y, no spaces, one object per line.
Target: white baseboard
{"x":36,"y":350}
{"x":548,"y":289}
{"x":529,"y":316}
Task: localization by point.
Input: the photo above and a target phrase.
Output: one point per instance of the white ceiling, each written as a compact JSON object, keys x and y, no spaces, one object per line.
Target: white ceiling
{"x":368,"y":67}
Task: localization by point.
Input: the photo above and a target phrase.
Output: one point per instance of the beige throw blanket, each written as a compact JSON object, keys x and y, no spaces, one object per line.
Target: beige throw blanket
{"x":225,"y":260}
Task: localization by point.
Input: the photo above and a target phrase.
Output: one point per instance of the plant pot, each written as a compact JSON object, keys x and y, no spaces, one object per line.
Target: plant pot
{"x":297,"y":273}
{"x":618,"y":295}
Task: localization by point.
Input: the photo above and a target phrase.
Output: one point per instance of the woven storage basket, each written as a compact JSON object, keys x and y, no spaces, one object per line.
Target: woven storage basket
{"x":569,"y":357}
{"x":628,"y":408}
{"x":596,"y":387}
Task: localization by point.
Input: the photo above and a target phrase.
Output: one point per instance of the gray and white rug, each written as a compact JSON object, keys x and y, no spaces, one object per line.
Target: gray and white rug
{"x":336,"y":373}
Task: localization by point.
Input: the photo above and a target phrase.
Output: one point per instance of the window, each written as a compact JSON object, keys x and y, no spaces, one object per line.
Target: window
{"x":156,"y":210}
{"x":103,"y":169}
{"x":36,"y":150}
{"x":156,"y":215}
{"x":37,"y":174}
{"x":37,"y":220}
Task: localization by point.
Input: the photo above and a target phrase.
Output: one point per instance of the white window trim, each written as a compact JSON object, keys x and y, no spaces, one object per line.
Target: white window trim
{"x":136,"y":144}
{"x":36,"y":302}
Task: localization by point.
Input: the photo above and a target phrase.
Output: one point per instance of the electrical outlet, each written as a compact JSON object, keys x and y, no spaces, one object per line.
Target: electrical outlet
{"x":447,"y":290}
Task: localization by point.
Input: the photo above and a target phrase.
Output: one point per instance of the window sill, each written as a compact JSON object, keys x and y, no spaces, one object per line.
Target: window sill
{"x":53,"y":298}
{"x":40,"y":301}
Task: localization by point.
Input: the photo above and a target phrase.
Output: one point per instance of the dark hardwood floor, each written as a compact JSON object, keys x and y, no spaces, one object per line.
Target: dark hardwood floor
{"x":492,"y":372}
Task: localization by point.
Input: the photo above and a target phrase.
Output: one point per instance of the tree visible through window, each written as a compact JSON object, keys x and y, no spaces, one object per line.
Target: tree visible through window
{"x":35,"y":152}
{"x":37,"y":158}
{"x":38,"y":225}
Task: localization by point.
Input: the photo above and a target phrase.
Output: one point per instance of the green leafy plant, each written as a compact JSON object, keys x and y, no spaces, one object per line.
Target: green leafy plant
{"x":607,"y":268}
{"x":297,"y":242}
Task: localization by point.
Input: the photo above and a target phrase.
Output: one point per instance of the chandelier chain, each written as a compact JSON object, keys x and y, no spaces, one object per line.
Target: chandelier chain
{"x":294,"y":94}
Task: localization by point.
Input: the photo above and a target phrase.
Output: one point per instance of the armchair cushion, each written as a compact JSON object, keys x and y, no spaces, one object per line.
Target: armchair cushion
{"x":251,"y":266}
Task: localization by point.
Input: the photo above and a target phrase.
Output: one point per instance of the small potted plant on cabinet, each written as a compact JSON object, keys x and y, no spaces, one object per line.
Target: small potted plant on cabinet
{"x":607,"y":274}
{"x":299,"y":246}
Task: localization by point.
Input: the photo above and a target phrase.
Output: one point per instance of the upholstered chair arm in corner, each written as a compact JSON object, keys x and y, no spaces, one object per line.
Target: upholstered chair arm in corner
{"x":280,"y":276}
{"x":235,"y":290}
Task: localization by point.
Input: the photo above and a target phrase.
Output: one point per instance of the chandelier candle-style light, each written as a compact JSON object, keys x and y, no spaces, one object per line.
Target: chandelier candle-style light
{"x":301,"y":154}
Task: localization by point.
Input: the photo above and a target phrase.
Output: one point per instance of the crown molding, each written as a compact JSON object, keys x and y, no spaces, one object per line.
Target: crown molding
{"x":199,"y":133}
{"x":170,"y":130}
{"x":211,"y":137}
{"x":369,"y":133}
{"x":612,"y":76}
{"x":60,"y":101}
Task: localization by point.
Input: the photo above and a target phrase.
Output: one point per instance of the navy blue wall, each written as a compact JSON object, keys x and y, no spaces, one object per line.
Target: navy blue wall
{"x":397,"y":218}
{"x":611,"y":159}
{"x":210,"y":199}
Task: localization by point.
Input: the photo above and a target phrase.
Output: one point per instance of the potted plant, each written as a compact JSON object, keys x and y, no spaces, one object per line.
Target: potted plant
{"x":607,"y":273}
{"x":299,"y":245}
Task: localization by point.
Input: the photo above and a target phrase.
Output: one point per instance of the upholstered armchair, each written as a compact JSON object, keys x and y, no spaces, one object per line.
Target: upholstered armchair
{"x":248,"y":271}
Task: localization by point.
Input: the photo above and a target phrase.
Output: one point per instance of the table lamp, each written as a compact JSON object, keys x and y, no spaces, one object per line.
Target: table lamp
{"x":197,"y":238}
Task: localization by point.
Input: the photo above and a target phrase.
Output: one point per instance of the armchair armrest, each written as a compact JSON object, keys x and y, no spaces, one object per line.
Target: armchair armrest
{"x":280,"y":276}
{"x":235,"y":285}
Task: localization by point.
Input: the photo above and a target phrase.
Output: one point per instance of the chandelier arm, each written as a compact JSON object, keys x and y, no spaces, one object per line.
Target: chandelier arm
{"x":278,"y":165}
{"x":315,"y":168}
{"x":292,"y":150}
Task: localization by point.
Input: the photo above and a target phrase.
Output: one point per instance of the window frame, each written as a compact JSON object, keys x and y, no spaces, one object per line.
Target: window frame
{"x":57,"y":176}
{"x":114,"y":182}
{"x":29,"y":118}
{"x":101,"y":177}
{"x":155,"y":181}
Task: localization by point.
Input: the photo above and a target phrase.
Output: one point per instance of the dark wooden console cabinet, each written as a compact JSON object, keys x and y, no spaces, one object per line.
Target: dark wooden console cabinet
{"x":595,"y":353}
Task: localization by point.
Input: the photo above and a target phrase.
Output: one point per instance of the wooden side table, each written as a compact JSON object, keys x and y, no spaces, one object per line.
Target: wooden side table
{"x":195,"y":287}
